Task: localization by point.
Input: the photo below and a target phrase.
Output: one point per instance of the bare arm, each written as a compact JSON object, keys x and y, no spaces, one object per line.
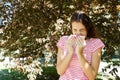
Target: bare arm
{"x":90,"y":70}
{"x":62,"y":64}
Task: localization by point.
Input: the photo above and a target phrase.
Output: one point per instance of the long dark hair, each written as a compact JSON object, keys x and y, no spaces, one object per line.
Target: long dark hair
{"x":80,"y":16}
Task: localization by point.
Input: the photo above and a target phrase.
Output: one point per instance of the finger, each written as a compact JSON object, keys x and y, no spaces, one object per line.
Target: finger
{"x":80,"y":41}
{"x":83,"y":39}
{"x":71,"y":39}
{"x":77,"y":42}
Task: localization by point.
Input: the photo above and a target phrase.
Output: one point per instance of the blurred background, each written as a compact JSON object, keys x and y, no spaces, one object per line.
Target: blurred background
{"x":30,"y":29}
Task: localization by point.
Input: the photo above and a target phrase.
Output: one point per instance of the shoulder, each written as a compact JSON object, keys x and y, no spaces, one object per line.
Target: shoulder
{"x":63,"y":38}
{"x":61,"y":41}
{"x":95,"y":40}
{"x":96,"y":43}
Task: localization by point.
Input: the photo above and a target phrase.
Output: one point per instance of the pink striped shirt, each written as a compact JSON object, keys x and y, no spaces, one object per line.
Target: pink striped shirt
{"x":74,"y":70}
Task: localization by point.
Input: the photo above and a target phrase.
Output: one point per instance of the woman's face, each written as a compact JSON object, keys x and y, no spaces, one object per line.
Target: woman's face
{"x":79,"y":29}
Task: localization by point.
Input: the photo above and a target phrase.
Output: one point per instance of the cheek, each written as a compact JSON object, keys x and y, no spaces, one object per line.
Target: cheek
{"x":73,"y":31}
{"x":84,"y":33}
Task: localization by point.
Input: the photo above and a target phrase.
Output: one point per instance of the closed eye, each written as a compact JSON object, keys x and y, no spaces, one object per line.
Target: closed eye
{"x":75,"y":29}
{"x":82,"y":30}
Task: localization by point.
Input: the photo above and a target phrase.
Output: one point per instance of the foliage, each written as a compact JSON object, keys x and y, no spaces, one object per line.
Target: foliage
{"x":27,"y":66}
{"x":113,"y":66}
{"x":49,"y":73}
{"x":34,"y":26}
{"x":5,"y":74}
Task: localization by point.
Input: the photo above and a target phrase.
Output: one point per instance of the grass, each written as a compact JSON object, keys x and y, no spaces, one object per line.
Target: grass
{"x":5,"y":74}
{"x":49,"y":73}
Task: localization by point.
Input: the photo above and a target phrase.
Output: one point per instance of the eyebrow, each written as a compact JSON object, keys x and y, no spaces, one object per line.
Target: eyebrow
{"x":82,"y":29}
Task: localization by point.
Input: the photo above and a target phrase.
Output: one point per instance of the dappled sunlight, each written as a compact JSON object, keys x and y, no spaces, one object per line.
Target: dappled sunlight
{"x":30,"y":29}
{"x":32,"y":69}
{"x":106,"y":71}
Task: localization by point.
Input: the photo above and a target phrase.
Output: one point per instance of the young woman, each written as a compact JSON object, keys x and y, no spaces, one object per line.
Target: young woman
{"x":79,"y":54}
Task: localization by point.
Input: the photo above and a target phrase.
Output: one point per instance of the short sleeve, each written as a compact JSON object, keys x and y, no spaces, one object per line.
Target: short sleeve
{"x":61,"y":42}
{"x":97,"y":43}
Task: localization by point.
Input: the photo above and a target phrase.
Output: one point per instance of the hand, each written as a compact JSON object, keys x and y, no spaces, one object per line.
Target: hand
{"x":70,"y":43}
{"x":80,"y":44}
